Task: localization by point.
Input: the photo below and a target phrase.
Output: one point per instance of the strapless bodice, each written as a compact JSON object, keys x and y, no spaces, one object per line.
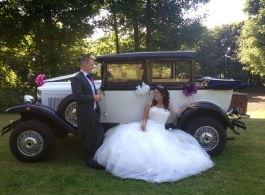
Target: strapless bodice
{"x":159,"y":115}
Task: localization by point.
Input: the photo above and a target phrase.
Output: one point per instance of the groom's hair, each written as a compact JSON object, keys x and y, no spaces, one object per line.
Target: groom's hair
{"x":85,"y":59}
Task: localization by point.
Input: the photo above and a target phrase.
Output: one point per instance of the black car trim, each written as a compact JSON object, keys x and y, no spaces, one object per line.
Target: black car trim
{"x":44,"y":111}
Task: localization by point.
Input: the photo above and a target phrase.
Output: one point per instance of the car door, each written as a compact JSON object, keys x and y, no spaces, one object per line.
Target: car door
{"x":173,"y":74}
{"x":121,"y":102}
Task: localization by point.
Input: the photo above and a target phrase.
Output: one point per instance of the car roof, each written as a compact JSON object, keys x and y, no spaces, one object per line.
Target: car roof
{"x":145,"y":55}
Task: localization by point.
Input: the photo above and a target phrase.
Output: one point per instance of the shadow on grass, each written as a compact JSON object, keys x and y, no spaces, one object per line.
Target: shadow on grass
{"x":254,"y":98}
{"x":69,"y":147}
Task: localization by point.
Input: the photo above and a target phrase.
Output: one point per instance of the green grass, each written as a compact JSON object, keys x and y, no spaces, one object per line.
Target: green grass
{"x":239,"y":170}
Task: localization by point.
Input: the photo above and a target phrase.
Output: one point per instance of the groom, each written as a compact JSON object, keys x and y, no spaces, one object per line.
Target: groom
{"x":90,"y":129}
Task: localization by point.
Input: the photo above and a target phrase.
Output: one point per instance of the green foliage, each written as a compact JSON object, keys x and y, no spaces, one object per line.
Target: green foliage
{"x":43,"y":37}
{"x":151,"y":25}
{"x":251,"y":51}
{"x":207,"y":58}
{"x":217,"y":52}
{"x":252,"y":7}
{"x":11,"y":97}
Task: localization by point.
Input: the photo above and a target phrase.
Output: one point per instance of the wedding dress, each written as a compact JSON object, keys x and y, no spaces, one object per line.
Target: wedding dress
{"x":154,"y":155}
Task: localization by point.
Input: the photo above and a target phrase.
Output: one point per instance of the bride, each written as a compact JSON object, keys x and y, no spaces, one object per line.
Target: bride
{"x":147,"y":151}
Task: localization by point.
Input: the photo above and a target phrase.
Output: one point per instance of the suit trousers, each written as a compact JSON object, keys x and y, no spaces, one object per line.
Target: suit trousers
{"x":93,"y":138}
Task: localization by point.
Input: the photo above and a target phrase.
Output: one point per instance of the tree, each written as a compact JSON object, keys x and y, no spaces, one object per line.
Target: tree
{"x":217,"y":52}
{"x":160,"y":24}
{"x":227,"y":38}
{"x":252,"y":44}
{"x":206,"y":57}
{"x":45,"y":36}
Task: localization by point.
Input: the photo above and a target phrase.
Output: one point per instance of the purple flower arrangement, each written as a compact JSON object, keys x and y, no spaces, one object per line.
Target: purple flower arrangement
{"x":189,"y":90}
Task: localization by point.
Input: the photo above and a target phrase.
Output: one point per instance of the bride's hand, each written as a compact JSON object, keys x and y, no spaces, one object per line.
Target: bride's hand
{"x":143,"y":123}
{"x":143,"y":128}
{"x":193,"y":105}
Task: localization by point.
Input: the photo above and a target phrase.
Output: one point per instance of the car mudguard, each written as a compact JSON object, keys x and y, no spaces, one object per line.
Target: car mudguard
{"x":42,"y":111}
{"x":205,"y":108}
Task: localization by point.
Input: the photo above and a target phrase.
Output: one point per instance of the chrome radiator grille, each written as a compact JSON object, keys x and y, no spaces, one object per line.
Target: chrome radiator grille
{"x":54,"y":102}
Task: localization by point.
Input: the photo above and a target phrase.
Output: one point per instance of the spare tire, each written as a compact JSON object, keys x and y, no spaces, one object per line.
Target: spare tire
{"x":67,"y":110}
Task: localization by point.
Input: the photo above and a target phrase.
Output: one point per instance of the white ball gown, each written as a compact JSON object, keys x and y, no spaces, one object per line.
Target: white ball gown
{"x":153,"y":155}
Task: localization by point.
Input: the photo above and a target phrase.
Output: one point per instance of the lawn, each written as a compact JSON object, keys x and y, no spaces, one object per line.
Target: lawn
{"x":239,"y":170}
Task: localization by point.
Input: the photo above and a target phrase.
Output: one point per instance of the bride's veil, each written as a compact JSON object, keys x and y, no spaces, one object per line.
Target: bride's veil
{"x":174,"y":108}
{"x":171,"y":122}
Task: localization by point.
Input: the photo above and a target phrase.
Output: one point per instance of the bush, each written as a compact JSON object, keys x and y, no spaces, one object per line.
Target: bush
{"x":252,"y":89}
{"x":11,"y":97}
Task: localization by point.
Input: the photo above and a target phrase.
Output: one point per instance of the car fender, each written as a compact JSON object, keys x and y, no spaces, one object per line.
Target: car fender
{"x":205,"y":108}
{"x":41,"y":110}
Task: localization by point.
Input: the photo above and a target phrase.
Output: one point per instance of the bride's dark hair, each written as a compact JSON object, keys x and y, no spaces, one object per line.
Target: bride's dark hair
{"x":163,"y":90}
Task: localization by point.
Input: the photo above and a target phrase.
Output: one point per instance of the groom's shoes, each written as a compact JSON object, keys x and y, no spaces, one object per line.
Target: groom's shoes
{"x":94,"y":165}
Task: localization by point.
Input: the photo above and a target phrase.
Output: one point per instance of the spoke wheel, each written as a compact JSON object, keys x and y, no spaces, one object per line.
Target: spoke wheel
{"x":32,"y":141}
{"x":67,"y":110}
{"x":208,"y":137}
{"x":210,"y":133}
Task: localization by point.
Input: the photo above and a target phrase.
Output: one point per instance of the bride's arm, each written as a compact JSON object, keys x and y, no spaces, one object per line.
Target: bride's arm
{"x":145,"y":115}
{"x":173,"y":108}
{"x":182,"y":109}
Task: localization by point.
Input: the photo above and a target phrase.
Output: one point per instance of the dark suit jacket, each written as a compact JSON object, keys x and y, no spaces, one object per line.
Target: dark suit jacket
{"x":83,"y":95}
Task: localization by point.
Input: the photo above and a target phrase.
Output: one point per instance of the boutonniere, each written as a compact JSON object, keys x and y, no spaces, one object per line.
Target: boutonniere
{"x":39,"y":80}
{"x":189,"y":90}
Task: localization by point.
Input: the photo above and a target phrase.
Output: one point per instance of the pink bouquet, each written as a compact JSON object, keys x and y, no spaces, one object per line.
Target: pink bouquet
{"x":39,"y":79}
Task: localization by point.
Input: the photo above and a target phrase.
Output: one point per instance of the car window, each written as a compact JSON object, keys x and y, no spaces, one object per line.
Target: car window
{"x":171,"y":71}
{"x":124,"y":72}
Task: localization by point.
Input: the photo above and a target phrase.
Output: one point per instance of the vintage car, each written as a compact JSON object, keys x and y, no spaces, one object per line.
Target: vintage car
{"x":123,"y":77}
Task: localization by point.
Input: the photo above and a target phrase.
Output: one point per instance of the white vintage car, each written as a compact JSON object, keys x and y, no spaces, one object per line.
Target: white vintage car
{"x":122,"y":75}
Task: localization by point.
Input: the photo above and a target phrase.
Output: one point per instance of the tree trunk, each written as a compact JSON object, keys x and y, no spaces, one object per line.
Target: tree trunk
{"x":116,"y":34}
{"x":48,"y":23}
{"x":148,"y":25}
{"x":136,"y":36}
{"x":116,"y":30}
{"x":224,"y":67}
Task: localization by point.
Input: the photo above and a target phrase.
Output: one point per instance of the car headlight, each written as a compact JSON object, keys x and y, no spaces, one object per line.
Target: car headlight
{"x":29,"y":99}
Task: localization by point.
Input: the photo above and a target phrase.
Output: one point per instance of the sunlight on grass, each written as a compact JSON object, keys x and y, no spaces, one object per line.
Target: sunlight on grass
{"x":257,"y":114}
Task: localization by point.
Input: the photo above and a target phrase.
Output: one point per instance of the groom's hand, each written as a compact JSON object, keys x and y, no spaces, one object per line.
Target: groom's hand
{"x":98,"y":97}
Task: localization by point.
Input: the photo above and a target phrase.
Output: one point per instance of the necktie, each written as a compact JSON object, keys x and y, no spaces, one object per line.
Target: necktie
{"x":90,"y":77}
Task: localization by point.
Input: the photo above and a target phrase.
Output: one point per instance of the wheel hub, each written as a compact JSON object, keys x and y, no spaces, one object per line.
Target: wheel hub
{"x":30,"y":143}
{"x":207,"y":136}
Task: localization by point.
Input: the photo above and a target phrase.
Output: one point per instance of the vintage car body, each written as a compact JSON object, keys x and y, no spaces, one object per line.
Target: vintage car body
{"x":51,"y":97}
{"x":121,"y":74}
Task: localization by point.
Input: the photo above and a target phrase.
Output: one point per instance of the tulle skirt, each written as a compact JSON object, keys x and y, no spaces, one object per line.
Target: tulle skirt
{"x":154,"y":155}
